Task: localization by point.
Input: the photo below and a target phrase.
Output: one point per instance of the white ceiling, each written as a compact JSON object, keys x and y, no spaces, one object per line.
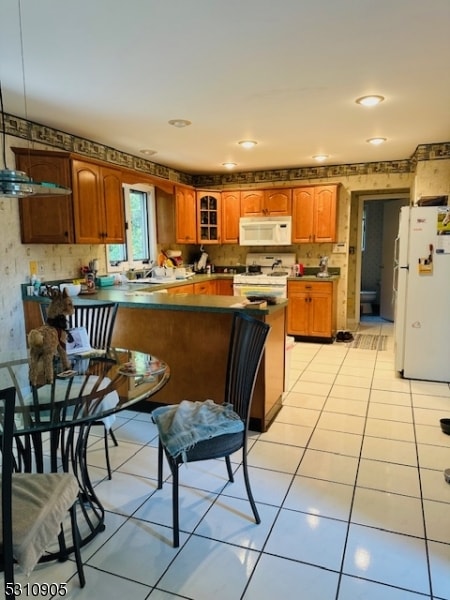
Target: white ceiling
{"x":285,"y":73}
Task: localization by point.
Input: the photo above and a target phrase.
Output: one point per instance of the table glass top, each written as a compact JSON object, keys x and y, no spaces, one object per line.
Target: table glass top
{"x":98,"y":385}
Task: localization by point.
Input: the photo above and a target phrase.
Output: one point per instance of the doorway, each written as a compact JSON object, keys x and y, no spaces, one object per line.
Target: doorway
{"x":378,"y":216}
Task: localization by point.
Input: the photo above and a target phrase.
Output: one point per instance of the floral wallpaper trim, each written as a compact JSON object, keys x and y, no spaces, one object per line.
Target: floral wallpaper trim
{"x":35,"y":132}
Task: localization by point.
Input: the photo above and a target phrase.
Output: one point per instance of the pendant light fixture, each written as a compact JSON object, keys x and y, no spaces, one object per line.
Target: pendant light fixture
{"x":17,"y":184}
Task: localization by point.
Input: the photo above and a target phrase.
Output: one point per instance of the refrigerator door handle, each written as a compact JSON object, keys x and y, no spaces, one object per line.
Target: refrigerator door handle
{"x":395,"y":281}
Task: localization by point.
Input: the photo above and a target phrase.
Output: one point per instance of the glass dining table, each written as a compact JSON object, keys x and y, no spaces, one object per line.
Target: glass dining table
{"x":53,"y":421}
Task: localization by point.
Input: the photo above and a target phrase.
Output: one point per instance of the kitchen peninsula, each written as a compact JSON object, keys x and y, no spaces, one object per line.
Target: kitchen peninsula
{"x":191,"y":333}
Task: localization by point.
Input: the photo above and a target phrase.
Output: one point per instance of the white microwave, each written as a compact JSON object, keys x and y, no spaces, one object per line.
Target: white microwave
{"x":265,"y":231}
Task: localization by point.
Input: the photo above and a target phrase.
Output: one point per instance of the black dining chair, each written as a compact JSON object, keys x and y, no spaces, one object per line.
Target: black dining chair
{"x":246,"y":347}
{"x":98,"y":319}
{"x":33,"y":507}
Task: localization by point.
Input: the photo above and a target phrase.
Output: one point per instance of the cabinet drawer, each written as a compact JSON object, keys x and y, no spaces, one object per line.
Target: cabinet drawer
{"x":310,"y":286}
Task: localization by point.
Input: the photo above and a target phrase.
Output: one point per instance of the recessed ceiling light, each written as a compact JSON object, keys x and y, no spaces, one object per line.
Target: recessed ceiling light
{"x":229,"y":165}
{"x":320,"y":157}
{"x":372,"y":100}
{"x":376,"y":141}
{"x":247,"y":143}
{"x":148,"y":152}
{"x":180,"y":122}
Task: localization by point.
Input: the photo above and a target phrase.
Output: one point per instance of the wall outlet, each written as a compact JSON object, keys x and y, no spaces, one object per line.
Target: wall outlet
{"x":33,"y":267}
{"x":340,"y":248}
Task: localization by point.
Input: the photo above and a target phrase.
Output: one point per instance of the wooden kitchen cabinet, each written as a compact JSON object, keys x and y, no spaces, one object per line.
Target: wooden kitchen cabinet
{"x":314,"y":212}
{"x":181,"y":289}
{"x":45,"y":219}
{"x":224,"y":287}
{"x":252,"y":203}
{"x":205,"y":287}
{"x":92,"y":214}
{"x":274,"y":202}
{"x":98,"y":206}
{"x":311,"y":309}
{"x":208,"y":217}
{"x":231,"y":212}
{"x":185,"y":213}
{"x":278,"y":202}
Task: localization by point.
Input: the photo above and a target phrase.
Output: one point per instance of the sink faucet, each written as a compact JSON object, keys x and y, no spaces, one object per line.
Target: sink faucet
{"x":152,"y":264}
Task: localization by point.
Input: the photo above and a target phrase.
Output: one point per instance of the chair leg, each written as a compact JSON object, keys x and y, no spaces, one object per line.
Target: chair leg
{"x":63,"y":556}
{"x":8,"y":568}
{"x":108,"y":463}
{"x":76,"y":545}
{"x":230,"y":472}
{"x":113,"y":437}
{"x":160,"y":465}
{"x":175,"y":506}
{"x":249,"y":490}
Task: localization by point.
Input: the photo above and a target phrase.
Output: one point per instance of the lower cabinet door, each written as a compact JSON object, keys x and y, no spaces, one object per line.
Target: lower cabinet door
{"x":320,"y":315}
{"x":298,"y":313}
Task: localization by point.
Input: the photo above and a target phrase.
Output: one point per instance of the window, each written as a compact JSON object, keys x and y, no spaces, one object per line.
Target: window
{"x":140,"y":245}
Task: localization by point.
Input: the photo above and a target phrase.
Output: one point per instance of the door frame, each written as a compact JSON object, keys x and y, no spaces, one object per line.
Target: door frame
{"x":363,"y":197}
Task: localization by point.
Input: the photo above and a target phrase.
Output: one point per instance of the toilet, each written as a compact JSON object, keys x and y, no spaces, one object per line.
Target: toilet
{"x":367,"y":298}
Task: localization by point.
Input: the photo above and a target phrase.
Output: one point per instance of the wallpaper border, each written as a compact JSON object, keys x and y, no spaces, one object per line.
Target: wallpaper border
{"x":36,"y":132}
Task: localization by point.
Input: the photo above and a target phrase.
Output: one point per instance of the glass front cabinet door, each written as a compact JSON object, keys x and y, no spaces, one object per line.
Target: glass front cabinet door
{"x":208,"y":217}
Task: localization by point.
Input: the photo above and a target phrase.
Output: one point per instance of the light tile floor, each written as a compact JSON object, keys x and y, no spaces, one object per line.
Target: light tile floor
{"x":349,"y":484}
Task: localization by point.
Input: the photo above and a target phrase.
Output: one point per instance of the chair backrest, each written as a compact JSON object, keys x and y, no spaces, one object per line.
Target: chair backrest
{"x":7,"y":402}
{"x":97,"y":317}
{"x":247,"y":341}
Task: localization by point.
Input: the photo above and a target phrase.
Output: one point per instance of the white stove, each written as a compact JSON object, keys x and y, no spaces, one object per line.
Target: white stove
{"x":272,"y":279}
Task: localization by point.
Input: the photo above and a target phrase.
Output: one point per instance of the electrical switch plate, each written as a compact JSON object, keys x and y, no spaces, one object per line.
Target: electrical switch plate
{"x":340,"y":248}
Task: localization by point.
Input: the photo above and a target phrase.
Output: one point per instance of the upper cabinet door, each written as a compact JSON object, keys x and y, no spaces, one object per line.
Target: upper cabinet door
{"x":88,"y":203}
{"x":114,"y":215}
{"x":231,"y":211}
{"x":325,"y":213}
{"x":278,"y":202}
{"x":252,"y":203}
{"x":98,"y":204}
{"x":45,"y":219}
{"x":314,"y":212}
{"x":303,"y":215}
{"x":208,"y":217}
{"x":256,"y":203}
{"x":185,"y":212}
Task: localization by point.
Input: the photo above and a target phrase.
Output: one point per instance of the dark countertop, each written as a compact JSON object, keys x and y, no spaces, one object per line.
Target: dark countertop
{"x":314,"y":278}
{"x":151,"y":296}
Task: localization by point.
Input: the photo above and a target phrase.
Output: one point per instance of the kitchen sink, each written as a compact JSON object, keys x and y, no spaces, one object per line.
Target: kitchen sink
{"x":153,"y":280}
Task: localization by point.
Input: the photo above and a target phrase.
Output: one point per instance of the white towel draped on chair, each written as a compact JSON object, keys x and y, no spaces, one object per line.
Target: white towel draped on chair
{"x":182,"y":425}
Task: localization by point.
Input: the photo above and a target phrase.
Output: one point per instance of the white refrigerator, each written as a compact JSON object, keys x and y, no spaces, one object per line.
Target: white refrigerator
{"x":422,"y":293}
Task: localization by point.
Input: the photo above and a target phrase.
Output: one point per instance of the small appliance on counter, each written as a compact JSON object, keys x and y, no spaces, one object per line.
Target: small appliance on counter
{"x":323,"y":267}
{"x":102,"y":281}
{"x":200,"y":264}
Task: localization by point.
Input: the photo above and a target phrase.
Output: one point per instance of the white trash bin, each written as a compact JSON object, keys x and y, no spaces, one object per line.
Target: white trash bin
{"x":290,"y":343}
